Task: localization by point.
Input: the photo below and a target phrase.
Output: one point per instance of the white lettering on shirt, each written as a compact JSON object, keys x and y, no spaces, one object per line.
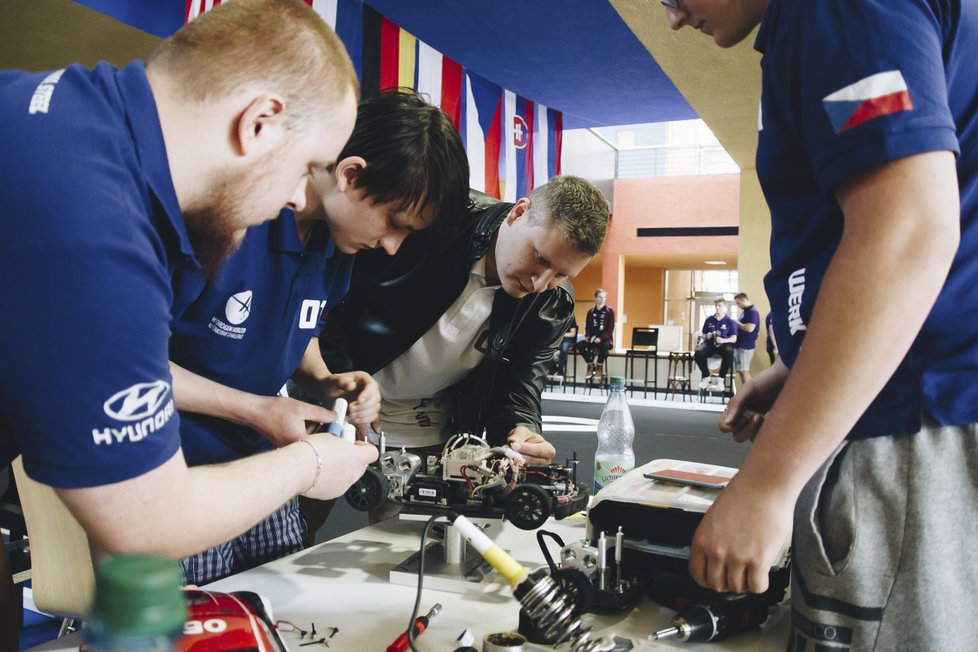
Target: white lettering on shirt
{"x":796,"y":288}
{"x":134,"y":432}
{"x":310,"y":312}
{"x":226,"y":330}
{"x":41,"y":99}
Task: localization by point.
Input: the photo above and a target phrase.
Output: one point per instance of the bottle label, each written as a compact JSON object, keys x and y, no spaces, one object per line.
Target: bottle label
{"x":608,"y":470}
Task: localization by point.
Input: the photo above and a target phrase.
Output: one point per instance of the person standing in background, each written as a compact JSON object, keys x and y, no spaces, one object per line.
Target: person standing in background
{"x":748,"y":328}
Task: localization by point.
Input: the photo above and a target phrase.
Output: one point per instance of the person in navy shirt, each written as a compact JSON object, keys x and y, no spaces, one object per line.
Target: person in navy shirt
{"x":868,"y":158}
{"x":111,"y":181}
{"x":256,"y":325}
{"x":748,"y":328}
{"x":719,"y":334}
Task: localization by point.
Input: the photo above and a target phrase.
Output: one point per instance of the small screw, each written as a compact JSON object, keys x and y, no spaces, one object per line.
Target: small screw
{"x":321,"y":641}
{"x":313,"y":633}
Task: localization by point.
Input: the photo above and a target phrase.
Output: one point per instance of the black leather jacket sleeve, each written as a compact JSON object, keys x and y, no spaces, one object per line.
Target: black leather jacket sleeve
{"x":520,"y":371}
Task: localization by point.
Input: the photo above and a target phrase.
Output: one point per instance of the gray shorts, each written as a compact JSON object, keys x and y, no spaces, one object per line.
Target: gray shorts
{"x":742,"y":358}
{"x":883,"y":546}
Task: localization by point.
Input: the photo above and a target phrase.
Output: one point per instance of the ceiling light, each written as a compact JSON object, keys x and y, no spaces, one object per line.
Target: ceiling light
{"x":715,"y":262}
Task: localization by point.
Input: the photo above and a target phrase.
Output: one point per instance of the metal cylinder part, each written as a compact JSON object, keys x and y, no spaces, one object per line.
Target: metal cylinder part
{"x":503,"y":642}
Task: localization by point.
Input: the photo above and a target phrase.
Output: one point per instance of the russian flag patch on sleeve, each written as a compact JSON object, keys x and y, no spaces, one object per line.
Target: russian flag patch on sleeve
{"x":874,"y":96}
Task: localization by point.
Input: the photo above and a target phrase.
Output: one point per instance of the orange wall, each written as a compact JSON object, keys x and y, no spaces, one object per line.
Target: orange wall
{"x":708,"y":200}
{"x":659,"y":202}
{"x":642,"y":301}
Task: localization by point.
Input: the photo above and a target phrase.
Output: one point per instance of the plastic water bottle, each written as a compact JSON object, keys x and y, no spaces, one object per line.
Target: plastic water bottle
{"x":616,"y":432}
{"x":138,"y":607}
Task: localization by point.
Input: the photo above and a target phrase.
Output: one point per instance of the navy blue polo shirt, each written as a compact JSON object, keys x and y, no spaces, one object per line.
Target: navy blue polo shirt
{"x":90,"y":231}
{"x":848,"y":86}
{"x":745,"y":340}
{"x":723,"y":327}
{"x":250,"y":327}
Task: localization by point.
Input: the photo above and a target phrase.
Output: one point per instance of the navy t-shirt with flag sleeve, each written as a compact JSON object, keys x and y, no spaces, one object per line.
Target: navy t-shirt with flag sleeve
{"x":249,"y":328}
{"x":848,"y":86}
{"x":90,"y":232}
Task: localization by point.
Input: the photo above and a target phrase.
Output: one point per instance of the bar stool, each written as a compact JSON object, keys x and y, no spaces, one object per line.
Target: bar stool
{"x":727,"y":383}
{"x":680,"y":368}
{"x":602,"y":373}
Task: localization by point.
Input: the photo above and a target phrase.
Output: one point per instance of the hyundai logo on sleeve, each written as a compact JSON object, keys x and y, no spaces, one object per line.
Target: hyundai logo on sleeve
{"x":137,"y":402}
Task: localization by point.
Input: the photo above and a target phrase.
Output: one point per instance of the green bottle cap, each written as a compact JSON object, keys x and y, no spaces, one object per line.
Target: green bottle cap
{"x":139,"y":595}
{"x":618,"y":381}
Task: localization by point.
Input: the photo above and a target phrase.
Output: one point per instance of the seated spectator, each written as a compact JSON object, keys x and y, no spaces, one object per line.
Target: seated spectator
{"x":719,"y":335}
{"x":599,"y":330}
{"x":566,"y":344}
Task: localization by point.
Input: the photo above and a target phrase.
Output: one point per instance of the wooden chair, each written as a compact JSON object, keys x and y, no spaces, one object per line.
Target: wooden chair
{"x":62,"y":573}
{"x":680,"y":368}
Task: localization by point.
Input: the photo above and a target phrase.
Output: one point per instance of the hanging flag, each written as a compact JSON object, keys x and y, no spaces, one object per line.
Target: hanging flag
{"x":323,"y":7}
{"x":518,"y":136}
{"x":512,"y":143}
{"x":451,"y":91}
{"x":482,"y":131}
{"x":547,"y":142}
{"x":429,"y":72}
{"x":405,"y":61}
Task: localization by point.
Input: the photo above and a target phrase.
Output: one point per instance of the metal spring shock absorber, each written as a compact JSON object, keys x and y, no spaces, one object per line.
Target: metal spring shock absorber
{"x":548,"y":605}
{"x":551,"y":609}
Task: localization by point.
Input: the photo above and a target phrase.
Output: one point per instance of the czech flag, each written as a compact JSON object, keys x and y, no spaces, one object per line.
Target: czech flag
{"x":482,"y":131}
{"x":875,"y":96}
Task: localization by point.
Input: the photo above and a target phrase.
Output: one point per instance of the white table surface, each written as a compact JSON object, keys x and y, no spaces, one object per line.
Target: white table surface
{"x":344,"y":583}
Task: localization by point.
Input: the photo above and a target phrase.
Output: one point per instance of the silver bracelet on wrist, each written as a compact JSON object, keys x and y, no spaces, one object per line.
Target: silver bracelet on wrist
{"x":319,"y":465}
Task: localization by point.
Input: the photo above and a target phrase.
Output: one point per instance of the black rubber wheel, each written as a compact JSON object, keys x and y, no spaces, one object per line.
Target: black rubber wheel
{"x":528,"y":506}
{"x":369,"y":491}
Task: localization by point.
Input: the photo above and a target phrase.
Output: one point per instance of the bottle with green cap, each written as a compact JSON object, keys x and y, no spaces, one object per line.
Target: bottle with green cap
{"x":616,"y":432}
{"x":139,"y":605}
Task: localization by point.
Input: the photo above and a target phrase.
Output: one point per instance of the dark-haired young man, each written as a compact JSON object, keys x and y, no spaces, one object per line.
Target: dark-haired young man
{"x":256,"y":324}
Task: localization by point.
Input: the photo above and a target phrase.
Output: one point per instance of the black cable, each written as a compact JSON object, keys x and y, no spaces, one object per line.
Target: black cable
{"x":541,"y":534}
{"x":417,"y":599}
